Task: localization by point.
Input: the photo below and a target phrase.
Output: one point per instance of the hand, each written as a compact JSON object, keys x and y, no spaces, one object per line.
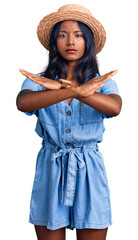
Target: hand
{"x":65,"y":83}
{"x":94,"y":84}
{"x":46,"y":82}
{"x":68,"y":83}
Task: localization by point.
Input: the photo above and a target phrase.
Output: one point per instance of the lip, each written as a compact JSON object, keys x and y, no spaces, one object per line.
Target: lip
{"x":70,"y":50}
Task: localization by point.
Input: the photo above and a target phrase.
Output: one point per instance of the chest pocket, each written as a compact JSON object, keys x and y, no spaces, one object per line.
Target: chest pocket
{"x":89,"y":115}
{"x":49,"y":115}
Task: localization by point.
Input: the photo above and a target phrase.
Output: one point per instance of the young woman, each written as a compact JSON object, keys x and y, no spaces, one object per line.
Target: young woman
{"x":70,"y":100}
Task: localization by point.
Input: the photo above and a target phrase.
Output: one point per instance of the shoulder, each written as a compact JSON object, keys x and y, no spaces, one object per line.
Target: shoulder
{"x":109,"y":87}
{"x":29,"y":84}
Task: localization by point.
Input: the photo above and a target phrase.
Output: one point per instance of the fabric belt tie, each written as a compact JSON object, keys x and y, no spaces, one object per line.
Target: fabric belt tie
{"x":74,"y":160}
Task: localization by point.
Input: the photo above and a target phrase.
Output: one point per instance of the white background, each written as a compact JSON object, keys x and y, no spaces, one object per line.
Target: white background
{"x":20,"y":48}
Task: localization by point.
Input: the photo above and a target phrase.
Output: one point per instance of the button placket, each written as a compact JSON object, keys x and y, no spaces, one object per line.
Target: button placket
{"x":68,"y":126}
{"x":69,"y":113}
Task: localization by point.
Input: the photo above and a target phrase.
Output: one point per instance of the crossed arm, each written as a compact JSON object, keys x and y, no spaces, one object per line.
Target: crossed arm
{"x":28,"y":100}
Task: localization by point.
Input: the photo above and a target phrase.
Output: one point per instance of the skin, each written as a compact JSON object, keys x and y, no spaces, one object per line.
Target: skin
{"x":60,"y":234}
{"x":69,"y":37}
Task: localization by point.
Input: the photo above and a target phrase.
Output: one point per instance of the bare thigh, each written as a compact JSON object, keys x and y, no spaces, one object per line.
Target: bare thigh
{"x":45,"y":234}
{"x":91,"y":234}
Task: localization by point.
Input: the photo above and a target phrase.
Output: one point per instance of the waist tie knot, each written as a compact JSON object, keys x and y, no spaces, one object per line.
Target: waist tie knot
{"x":74,"y":160}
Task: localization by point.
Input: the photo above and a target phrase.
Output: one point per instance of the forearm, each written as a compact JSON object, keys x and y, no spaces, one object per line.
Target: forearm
{"x":107,"y":104}
{"x":28,"y":101}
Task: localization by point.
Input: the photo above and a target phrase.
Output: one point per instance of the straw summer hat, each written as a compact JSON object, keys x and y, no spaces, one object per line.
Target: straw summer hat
{"x":71,"y":12}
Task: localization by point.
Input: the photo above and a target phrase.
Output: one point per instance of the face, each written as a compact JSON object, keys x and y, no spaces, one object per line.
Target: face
{"x":70,"y":41}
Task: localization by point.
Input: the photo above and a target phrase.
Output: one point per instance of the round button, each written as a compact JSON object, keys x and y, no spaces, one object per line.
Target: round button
{"x":69,"y":144}
{"x":68,"y":112}
{"x":68,"y":130}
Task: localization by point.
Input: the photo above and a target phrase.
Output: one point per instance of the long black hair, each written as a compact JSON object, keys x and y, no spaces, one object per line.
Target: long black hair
{"x":86,"y":67}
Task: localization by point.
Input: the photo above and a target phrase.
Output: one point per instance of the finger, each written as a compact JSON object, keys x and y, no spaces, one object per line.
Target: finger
{"x":114,"y":71}
{"x":110,"y":74}
{"x":33,"y":79}
{"x":106,"y":76}
{"x":66,"y":81}
{"x":100,"y":85}
{"x":68,"y":86}
{"x":65,"y":85}
{"x":26,"y":73}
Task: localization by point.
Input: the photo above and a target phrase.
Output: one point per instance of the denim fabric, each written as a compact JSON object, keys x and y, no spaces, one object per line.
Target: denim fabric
{"x":70,"y":187}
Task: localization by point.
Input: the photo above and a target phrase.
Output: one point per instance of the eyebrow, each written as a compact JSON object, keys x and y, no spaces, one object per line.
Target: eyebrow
{"x":66,"y":31}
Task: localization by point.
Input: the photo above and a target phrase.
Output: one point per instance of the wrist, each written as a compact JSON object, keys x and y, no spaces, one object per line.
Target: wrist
{"x":76,"y":90}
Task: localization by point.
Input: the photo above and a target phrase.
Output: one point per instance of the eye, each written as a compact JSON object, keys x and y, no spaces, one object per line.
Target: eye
{"x":78,"y":35}
{"x":62,"y":35}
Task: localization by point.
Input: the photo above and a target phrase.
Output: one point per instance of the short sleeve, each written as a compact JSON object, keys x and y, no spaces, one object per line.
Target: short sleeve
{"x":110,"y":87}
{"x":28,"y":84}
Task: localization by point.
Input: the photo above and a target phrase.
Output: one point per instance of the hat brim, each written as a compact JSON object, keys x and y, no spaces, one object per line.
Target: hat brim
{"x":47,"y":23}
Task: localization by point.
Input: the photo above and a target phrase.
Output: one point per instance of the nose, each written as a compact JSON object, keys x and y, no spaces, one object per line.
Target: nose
{"x":70,"y":40}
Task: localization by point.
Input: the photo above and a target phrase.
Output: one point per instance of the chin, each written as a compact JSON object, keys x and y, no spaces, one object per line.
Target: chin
{"x":71,"y":58}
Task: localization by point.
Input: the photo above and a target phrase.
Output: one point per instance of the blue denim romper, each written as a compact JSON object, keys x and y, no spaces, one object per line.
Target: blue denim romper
{"x":70,"y":187}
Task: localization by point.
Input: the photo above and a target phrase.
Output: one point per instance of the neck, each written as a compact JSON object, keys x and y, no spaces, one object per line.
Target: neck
{"x":71,"y":66}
